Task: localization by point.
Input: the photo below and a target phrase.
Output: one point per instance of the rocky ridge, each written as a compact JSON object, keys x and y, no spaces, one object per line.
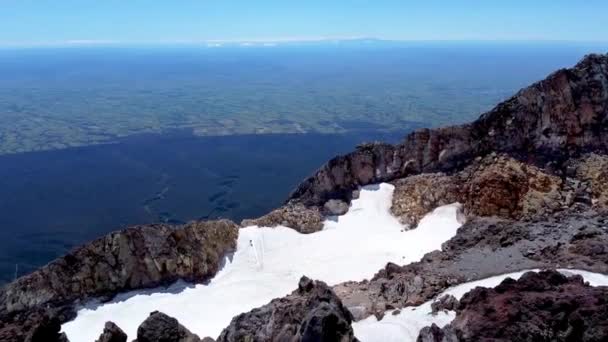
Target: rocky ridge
{"x":544,"y":124}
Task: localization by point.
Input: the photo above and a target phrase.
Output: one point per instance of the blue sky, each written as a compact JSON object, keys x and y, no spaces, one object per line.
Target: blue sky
{"x":39,"y":22}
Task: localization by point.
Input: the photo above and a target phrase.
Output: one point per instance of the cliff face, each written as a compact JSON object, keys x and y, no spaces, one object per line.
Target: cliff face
{"x":550,"y":121}
{"x":138,"y":257}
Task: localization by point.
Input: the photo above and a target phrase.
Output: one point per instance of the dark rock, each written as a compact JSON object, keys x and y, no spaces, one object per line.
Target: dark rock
{"x":138,"y":257}
{"x":47,"y":330}
{"x":311,"y":313}
{"x":159,"y":327}
{"x":544,"y":306}
{"x":445,"y":303}
{"x":39,"y":324}
{"x":436,"y":334}
{"x":112,"y":333}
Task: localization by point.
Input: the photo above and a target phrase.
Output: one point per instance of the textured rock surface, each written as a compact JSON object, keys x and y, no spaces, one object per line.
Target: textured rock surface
{"x":311,"y":313}
{"x":592,"y":169}
{"x":293,"y":215}
{"x":159,"y":327}
{"x":496,"y":185}
{"x":112,"y":333}
{"x":544,"y":306}
{"x":138,"y":257}
{"x":552,"y":120}
{"x":437,"y":334}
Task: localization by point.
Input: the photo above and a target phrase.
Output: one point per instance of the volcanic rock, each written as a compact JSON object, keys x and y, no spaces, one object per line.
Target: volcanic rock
{"x":311,"y":313}
{"x":112,"y":333}
{"x":138,"y":257}
{"x":159,"y":327}
{"x":544,"y":306}
{"x":496,"y":185}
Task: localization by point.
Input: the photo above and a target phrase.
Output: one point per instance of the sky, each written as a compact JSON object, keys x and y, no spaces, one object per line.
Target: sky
{"x":48,"y":22}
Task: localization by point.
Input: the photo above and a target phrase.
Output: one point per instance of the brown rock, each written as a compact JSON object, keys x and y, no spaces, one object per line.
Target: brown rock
{"x":293,"y":215}
{"x":138,"y":257}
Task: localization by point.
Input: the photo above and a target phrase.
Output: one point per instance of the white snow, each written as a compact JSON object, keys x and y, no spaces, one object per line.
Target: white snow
{"x":406,"y":325}
{"x":268,"y":263}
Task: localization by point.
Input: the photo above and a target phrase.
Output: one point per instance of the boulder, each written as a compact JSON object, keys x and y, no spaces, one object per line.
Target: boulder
{"x":311,"y":313}
{"x":159,"y":327}
{"x":112,"y":333}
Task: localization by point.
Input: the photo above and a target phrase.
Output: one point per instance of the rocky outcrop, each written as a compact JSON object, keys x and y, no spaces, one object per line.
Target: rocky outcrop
{"x":293,"y":215}
{"x":592,"y":169}
{"x":544,"y":306}
{"x":159,"y":327}
{"x":496,"y":185}
{"x":311,"y":313}
{"x":437,"y":334}
{"x":112,"y":333}
{"x":138,"y":257}
{"x":544,"y":124}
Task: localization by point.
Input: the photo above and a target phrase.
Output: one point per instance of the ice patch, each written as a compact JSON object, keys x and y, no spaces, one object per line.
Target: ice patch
{"x":406,"y":325}
{"x":269,"y":262}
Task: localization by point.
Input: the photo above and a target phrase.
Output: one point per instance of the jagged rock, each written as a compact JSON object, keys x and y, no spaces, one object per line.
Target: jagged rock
{"x":548,"y":122}
{"x":335,"y":207}
{"x":492,"y":186}
{"x":436,"y":334}
{"x":311,"y":313}
{"x":159,"y":327}
{"x":112,"y":333}
{"x":445,"y":303}
{"x":293,"y":215}
{"x":138,"y":257}
{"x":544,"y":306}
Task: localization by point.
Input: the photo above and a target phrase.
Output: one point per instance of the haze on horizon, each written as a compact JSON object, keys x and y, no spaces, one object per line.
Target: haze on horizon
{"x":70,"y":22}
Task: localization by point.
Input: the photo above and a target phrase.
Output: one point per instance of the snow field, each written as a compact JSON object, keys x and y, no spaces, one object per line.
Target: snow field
{"x":268,"y":263}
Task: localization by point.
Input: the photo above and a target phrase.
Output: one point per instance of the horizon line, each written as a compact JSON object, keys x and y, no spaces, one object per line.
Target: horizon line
{"x":272,"y":41}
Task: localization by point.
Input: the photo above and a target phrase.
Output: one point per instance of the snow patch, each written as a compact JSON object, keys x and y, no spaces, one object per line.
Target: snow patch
{"x":406,"y":325}
{"x":268,"y":263}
